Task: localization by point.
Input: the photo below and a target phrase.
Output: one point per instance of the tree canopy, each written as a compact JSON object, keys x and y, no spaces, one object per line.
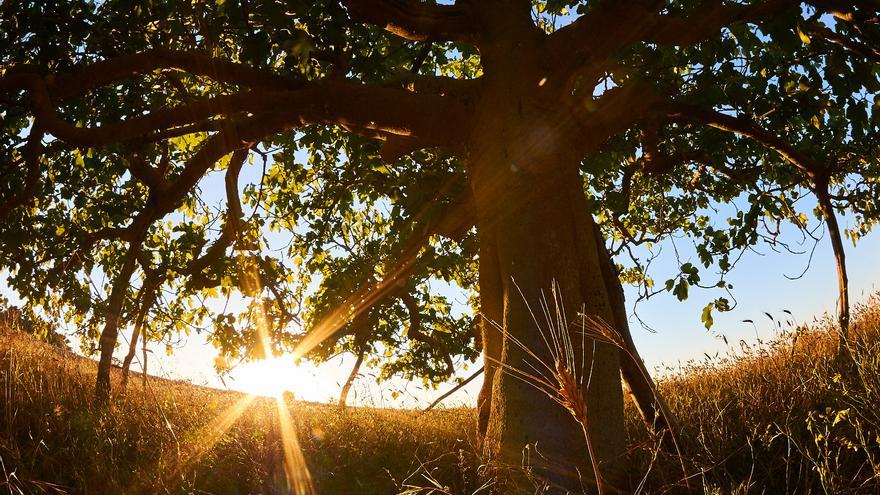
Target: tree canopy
{"x":342,"y":136}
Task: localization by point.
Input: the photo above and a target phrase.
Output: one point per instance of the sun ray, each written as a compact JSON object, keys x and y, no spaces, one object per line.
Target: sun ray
{"x":298,"y":477}
{"x":356,"y":304}
{"x":174,"y":465}
{"x":295,"y":468}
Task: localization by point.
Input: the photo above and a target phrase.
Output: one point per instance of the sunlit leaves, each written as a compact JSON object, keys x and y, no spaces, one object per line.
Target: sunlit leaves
{"x":736,"y":194}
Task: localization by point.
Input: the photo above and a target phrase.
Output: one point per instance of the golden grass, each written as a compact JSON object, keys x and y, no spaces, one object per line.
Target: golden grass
{"x":175,"y":437}
{"x":785,"y":416}
{"x":781,"y":417}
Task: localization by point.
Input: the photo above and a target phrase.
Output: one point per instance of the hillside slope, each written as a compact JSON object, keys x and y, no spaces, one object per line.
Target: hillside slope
{"x":170,"y":437}
{"x":783,"y":417}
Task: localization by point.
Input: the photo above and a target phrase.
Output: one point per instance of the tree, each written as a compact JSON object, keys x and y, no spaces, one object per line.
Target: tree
{"x":477,"y":143}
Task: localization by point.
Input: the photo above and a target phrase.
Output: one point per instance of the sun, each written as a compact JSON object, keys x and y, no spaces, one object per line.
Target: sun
{"x":270,"y":377}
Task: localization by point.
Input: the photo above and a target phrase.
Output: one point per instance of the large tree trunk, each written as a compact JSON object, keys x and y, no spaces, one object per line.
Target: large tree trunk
{"x":491,"y":320}
{"x":534,"y":206}
{"x":651,"y":405}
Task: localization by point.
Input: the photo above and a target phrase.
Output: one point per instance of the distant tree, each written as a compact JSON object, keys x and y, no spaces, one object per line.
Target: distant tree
{"x":493,"y":145}
{"x":24,"y":320}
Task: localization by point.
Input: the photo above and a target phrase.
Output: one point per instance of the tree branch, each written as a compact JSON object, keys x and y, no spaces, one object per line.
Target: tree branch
{"x":237,"y":134}
{"x":436,"y":85}
{"x":612,"y":25}
{"x":708,"y":20}
{"x":398,"y":271}
{"x":112,"y":314}
{"x":415,"y":331}
{"x":108,"y":71}
{"x":416,"y":20}
{"x":232,"y":224}
{"x":148,"y":296}
{"x":391,"y":111}
{"x":454,"y":389}
{"x":145,"y":173}
{"x":830,"y":217}
{"x":746,"y":128}
{"x":653,"y":162}
{"x":613,"y":112}
{"x":855,"y":47}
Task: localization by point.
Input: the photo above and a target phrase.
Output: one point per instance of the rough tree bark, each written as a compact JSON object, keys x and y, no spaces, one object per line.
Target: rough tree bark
{"x":491,"y":321}
{"x":650,"y":404}
{"x":530,"y":201}
{"x":541,"y":244}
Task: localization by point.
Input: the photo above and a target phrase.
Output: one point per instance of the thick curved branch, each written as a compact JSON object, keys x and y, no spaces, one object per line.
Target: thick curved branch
{"x":207,"y":125}
{"x":331,"y":102}
{"x":853,"y":46}
{"x":416,"y":332}
{"x":613,"y":25}
{"x":747,"y":128}
{"x":436,"y":85}
{"x":237,"y":135}
{"x":416,"y":20}
{"x":655,"y":163}
{"x":708,"y":20}
{"x":613,"y":112}
{"x":104,"y":72}
{"x":232,"y":224}
{"x":395,"y":147}
{"x":236,"y":139}
{"x":146,"y":173}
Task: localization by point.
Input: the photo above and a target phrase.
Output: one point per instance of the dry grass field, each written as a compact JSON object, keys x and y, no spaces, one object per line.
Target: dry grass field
{"x":784,"y":416}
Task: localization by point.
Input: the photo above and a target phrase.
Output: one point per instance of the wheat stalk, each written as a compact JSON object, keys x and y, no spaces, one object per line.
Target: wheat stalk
{"x":564,"y":379}
{"x":599,"y":330}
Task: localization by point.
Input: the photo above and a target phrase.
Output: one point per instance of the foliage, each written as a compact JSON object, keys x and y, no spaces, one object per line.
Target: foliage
{"x":25,"y":321}
{"x":319,"y":205}
{"x":783,"y":416}
{"x":743,"y":122}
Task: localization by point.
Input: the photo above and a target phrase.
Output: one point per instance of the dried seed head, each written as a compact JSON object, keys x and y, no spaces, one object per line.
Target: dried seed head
{"x":596,"y":328}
